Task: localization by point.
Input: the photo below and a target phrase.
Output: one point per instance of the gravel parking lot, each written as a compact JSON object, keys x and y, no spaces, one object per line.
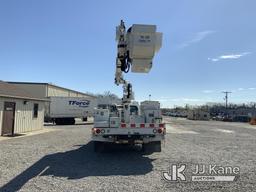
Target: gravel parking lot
{"x":63,"y":159}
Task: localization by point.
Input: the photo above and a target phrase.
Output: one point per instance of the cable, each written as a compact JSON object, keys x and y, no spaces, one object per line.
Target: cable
{"x":127,"y":67}
{"x":125,"y":64}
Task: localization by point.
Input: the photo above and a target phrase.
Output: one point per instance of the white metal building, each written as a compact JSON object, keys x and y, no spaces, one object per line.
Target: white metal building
{"x":45,"y":90}
{"x":19,"y":111}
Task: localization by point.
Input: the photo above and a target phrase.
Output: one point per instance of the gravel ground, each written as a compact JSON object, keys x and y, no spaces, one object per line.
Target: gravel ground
{"x":63,"y":159}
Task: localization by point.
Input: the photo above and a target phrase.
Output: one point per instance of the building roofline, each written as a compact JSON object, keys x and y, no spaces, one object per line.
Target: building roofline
{"x":20,"y":97}
{"x":21,"y":82}
{"x":50,"y":84}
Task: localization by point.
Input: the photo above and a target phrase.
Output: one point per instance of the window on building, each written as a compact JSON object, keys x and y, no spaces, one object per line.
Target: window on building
{"x":35,"y":110}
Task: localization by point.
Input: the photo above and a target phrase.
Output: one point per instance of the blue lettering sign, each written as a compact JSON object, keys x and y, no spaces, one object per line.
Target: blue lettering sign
{"x":82,"y":103}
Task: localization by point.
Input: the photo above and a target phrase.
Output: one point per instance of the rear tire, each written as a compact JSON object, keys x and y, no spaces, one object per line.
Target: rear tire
{"x":72,"y":121}
{"x":58,"y":121}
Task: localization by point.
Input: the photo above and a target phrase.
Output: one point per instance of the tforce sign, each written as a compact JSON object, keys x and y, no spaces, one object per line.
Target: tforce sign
{"x":83,"y":103}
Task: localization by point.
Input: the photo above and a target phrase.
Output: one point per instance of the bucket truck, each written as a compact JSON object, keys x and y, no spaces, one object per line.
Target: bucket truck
{"x":131,"y":122}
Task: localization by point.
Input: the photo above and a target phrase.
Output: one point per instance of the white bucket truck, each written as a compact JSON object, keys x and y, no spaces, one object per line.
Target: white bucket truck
{"x":130,"y":122}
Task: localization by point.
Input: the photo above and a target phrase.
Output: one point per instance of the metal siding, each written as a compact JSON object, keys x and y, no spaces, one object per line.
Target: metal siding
{"x":81,"y":95}
{"x":59,"y":92}
{"x":24,"y":121}
{"x":72,"y":94}
{"x":54,"y":92}
{"x":35,"y":90}
{"x":48,"y":90}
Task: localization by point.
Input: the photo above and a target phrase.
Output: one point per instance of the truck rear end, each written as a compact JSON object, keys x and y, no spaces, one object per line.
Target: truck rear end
{"x":115,"y":125}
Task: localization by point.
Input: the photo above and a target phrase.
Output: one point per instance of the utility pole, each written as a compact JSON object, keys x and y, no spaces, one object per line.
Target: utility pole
{"x":226,"y":97}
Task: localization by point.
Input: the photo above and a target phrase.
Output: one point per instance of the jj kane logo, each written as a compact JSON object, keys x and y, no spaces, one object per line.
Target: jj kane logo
{"x":201,"y":173}
{"x":82,"y":103}
{"x":175,"y":173}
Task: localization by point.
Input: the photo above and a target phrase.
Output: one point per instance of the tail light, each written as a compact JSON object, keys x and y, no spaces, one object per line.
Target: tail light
{"x":97,"y":131}
{"x":161,"y":125}
{"x":160,"y":130}
{"x":133,"y":125}
{"x":142,"y":125}
{"x":123,"y":125}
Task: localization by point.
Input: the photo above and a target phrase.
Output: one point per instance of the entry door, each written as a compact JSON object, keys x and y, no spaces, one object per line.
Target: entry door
{"x":8,"y":118}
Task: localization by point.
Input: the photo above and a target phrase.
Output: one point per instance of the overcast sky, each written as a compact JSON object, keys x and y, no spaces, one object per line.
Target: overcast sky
{"x":208,"y":46}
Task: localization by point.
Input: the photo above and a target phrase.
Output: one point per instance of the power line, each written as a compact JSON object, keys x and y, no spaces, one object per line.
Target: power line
{"x":226,"y":97}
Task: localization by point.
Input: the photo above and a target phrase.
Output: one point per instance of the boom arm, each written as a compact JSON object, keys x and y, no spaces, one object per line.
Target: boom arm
{"x":135,"y":49}
{"x":121,"y":60}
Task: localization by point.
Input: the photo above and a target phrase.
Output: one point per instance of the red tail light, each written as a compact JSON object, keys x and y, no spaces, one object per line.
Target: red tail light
{"x":160,"y":130}
{"x":123,"y":125}
{"x":142,"y":125}
{"x":97,"y":131}
{"x":161,"y":125}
